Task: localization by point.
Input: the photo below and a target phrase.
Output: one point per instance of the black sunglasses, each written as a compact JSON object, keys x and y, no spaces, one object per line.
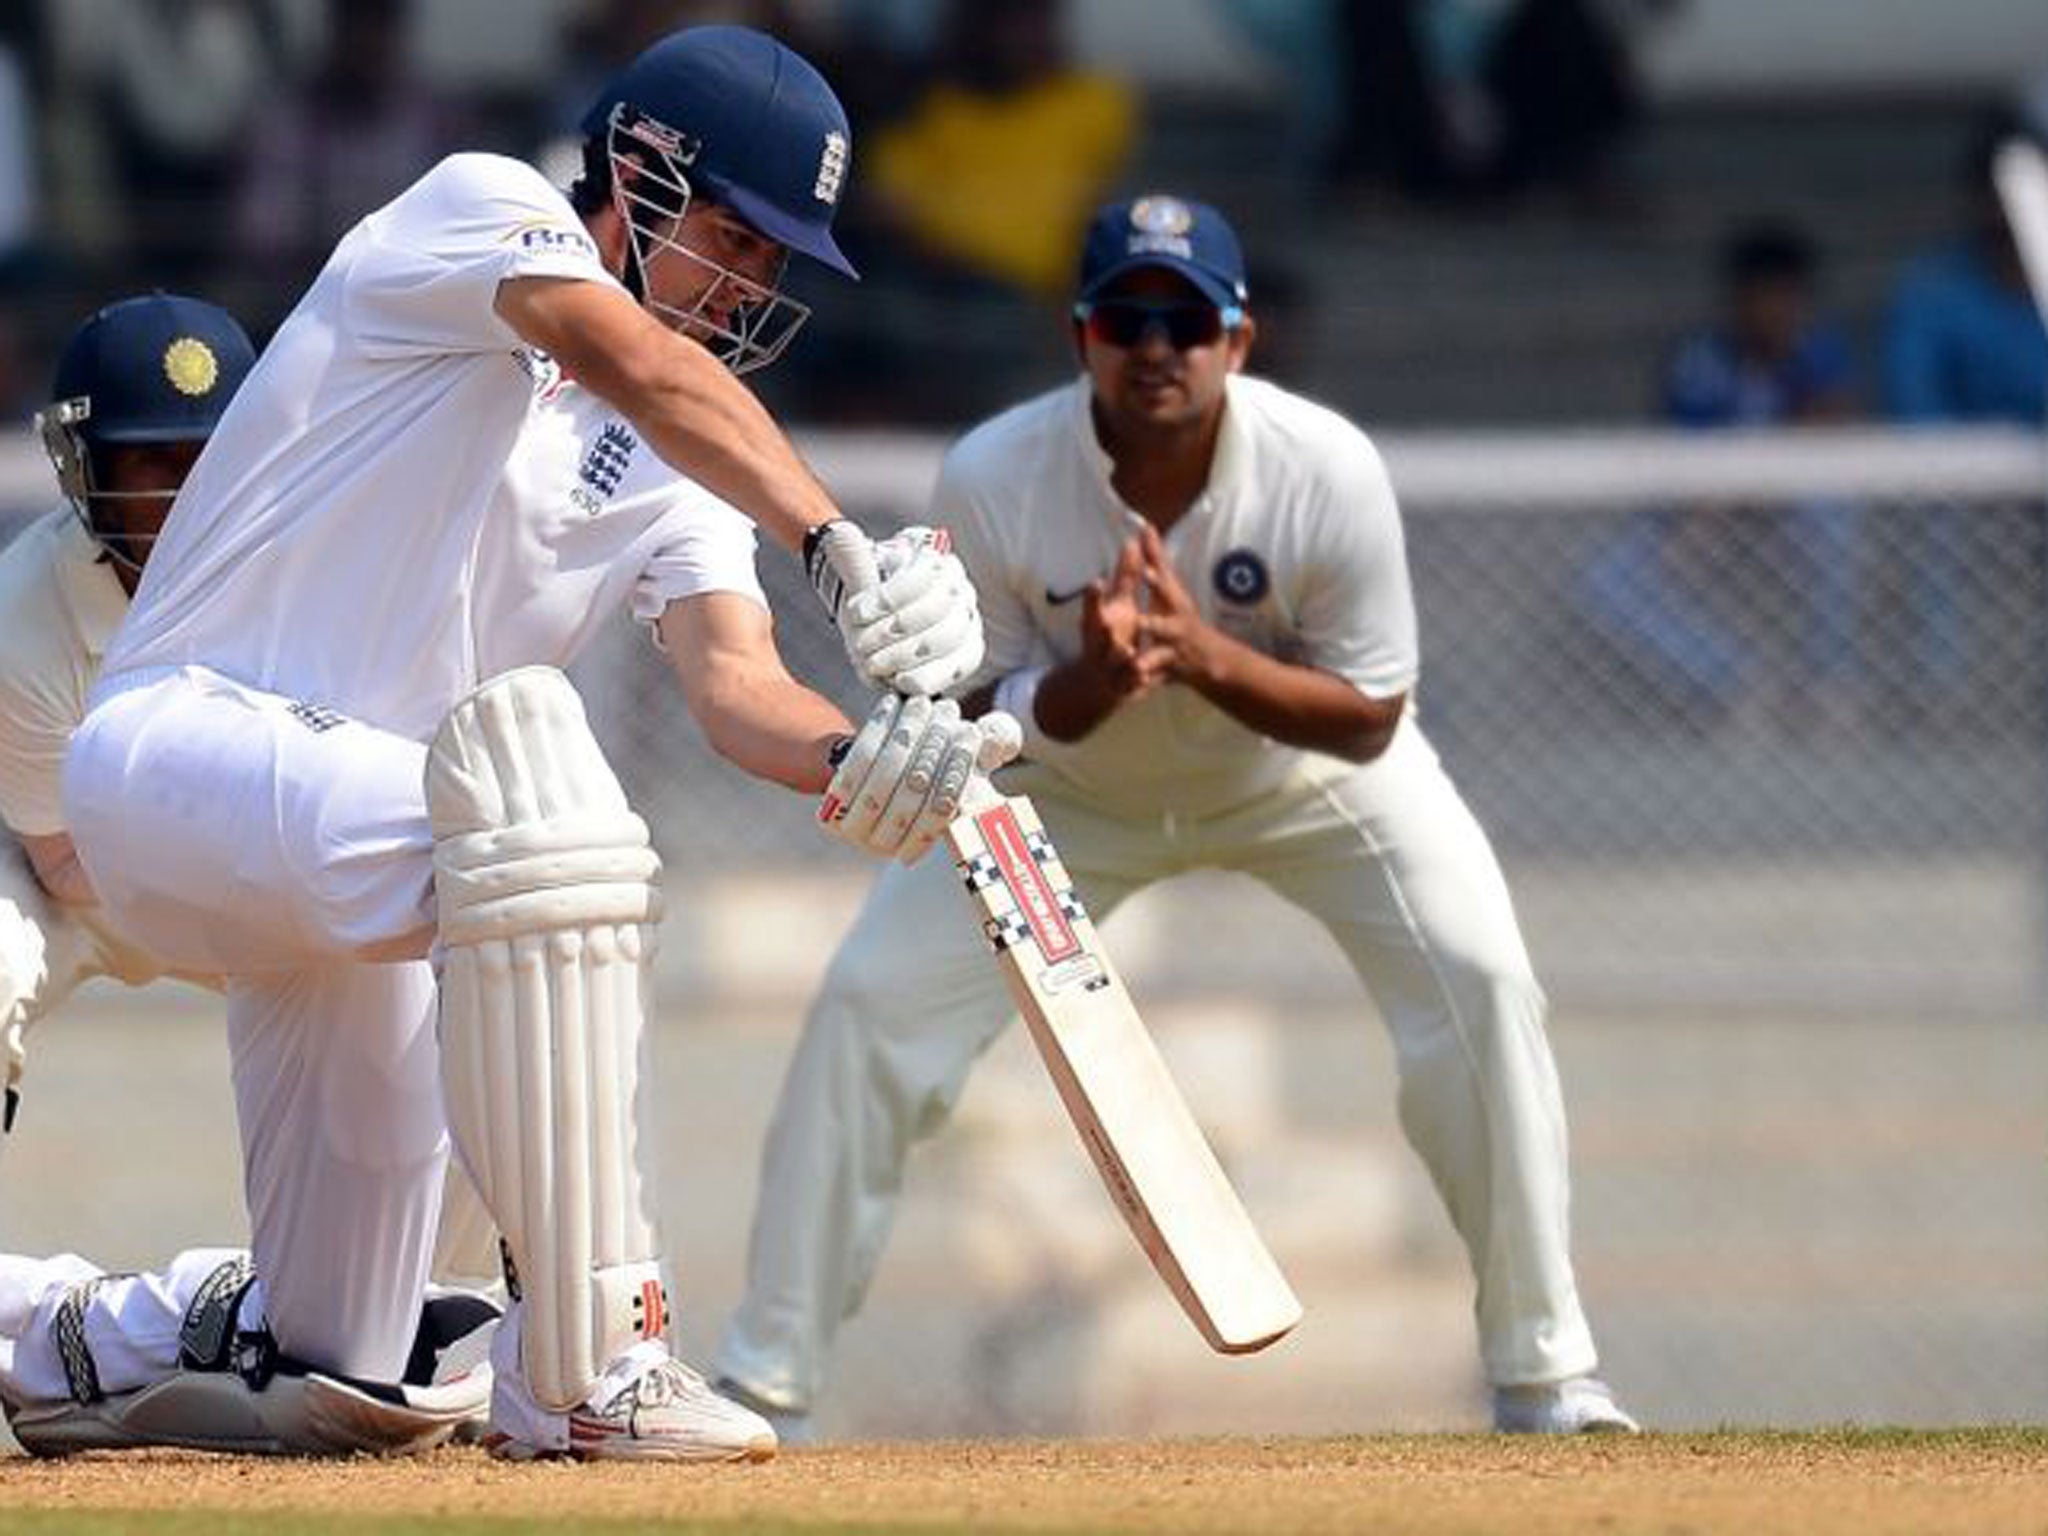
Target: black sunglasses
{"x":1123,"y":322}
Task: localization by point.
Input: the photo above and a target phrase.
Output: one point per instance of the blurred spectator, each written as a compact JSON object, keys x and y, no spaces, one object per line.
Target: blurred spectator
{"x":1686,"y":593}
{"x":19,"y":393}
{"x":1303,"y":40}
{"x":1560,"y":75}
{"x":1455,"y":99}
{"x":350,"y":138}
{"x":174,"y":86}
{"x":1963,"y":342}
{"x":995,"y":169}
{"x":966,"y":204}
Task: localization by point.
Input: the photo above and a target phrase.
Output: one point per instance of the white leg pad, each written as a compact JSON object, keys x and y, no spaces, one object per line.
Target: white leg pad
{"x":548,"y":897}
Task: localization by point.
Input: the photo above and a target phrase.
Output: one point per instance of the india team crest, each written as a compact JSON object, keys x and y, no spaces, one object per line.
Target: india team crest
{"x":1241,"y":577}
{"x":191,"y":367}
{"x":1158,"y":215}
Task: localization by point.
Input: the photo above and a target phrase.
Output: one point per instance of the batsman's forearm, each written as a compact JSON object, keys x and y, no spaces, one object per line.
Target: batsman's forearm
{"x":779,"y":732}
{"x":709,"y":425}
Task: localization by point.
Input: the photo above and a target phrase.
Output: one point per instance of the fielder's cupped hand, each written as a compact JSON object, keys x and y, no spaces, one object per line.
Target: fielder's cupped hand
{"x":904,"y":775}
{"x":904,"y":606}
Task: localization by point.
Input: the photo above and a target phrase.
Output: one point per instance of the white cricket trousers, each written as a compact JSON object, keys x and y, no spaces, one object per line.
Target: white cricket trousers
{"x":230,"y":831}
{"x":1387,"y":856}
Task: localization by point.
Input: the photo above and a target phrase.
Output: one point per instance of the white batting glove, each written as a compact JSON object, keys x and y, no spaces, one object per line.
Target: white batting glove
{"x":901,"y":780}
{"x":904,"y":605}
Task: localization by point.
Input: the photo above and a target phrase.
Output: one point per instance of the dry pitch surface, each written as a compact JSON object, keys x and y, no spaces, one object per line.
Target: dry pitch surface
{"x":1867,"y":1483}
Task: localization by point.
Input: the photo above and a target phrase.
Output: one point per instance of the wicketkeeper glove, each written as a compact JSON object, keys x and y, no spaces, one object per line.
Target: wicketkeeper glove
{"x":904,"y":605}
{"x":902,"y":778}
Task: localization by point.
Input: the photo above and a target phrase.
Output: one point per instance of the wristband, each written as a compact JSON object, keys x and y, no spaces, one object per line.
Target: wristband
{"x":818,"y":569}
{"x":1017,"y":696}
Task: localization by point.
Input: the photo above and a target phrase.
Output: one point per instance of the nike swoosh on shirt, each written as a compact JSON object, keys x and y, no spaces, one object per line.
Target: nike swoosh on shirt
{"x":1057,"y":599}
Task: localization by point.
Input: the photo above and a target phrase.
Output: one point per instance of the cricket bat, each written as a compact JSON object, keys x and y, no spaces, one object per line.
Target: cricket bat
{"x":1153,"y":1157}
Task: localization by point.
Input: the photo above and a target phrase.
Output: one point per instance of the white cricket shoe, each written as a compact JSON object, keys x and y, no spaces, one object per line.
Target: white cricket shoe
{"x":1583,"y":1405}
{"x":648,"y":1406}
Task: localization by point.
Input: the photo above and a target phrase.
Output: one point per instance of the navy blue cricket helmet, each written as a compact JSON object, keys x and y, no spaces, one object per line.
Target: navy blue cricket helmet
{"x":750,"y":122}
{"x":156,"y":369}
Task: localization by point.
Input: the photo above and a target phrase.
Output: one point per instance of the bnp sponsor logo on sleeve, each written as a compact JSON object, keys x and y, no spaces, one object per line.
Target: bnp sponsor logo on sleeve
{"x":552,"y":237}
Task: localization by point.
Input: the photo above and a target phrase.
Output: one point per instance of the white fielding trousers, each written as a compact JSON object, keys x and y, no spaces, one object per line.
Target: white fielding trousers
{"x":233,"y":832}
{"x":1393,"y":864}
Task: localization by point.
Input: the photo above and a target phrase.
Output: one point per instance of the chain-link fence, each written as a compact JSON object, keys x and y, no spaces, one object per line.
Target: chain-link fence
{"x":1684,"y":680}
{"x":1757,"y":726}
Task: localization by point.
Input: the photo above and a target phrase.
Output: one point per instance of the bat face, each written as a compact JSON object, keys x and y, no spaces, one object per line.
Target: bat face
{"x":1152,"y":1156}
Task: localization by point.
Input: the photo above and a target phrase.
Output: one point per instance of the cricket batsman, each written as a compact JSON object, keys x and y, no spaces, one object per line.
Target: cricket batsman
{"x":331,"y":757}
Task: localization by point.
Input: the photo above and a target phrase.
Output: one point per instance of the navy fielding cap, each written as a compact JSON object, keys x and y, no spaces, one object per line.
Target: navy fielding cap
{"x":156,"y":369}
{"x":1159,"y":230}
{"x":762,"y":132}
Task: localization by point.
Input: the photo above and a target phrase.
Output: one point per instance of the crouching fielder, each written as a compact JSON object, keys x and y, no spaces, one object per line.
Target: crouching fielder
{"x":330,"y":741}
{"x":138,"y":389}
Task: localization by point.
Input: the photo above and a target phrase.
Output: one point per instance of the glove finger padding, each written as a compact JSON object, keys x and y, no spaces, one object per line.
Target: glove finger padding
{"x":972,"y":746}
{"x":954,"y":759}
{"x":902,"y":780}
{"x":867,"y":776}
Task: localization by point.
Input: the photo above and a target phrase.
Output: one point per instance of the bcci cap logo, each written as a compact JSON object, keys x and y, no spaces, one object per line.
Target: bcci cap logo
{"x":1161,"y":230}
{"x":1161,"y":216}
{"x":191,"y":367}
{"x":1159,"y":227}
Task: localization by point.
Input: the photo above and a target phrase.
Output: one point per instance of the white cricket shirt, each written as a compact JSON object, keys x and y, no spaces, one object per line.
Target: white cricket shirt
{"x":1294,"y":548}
{"x":403,"y":499}
{"x":59,"y":606}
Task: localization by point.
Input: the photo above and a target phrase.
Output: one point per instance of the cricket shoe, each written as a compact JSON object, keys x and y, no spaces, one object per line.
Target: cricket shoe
{"x":1583,"y":1405}
{"x":648,"y":1406}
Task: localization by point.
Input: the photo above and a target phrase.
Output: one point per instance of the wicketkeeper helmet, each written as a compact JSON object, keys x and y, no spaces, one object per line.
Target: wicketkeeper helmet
{"x":155,"y":369}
